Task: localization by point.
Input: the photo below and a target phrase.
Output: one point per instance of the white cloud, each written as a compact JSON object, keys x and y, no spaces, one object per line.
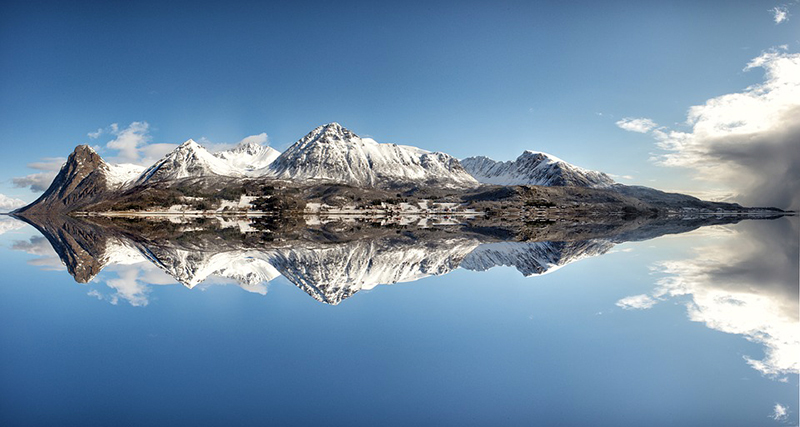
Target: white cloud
{"x":748,"y":142}
{"x":640,"y":125}
{"x":151,"y":153}
{"x":260,"y":139}
{"x":8,"y":223}
{"x":779,"y":412}
{"x":636,"y":302}
{"x":779,"y":14}
{"x":10,"y":203}
{"x":128,"y":141}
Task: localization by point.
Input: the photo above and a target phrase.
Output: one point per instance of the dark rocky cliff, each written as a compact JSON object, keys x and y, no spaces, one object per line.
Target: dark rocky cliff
{"x":80,"y":182}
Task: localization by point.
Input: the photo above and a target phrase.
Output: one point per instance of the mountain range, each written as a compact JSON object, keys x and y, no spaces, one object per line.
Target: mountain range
{"x":328,"y":155}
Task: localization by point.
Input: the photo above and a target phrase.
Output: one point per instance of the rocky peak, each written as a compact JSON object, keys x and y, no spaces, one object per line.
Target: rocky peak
{"x":328,"y":133}
{"x":79,"y":182}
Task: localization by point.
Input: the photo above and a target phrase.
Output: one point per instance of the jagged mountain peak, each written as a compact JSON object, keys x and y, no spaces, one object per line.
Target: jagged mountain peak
{"x":189,"y":159}
{"x":250,"y":158}
{"x":332,"y":153}
{"x":249,"y":147}
{"x":328,"y":133}
{"x":84,"y":150}
{"x":533,"y":168}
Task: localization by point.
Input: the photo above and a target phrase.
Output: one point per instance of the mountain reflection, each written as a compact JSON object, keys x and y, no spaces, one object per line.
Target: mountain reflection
{"x":328,"y":259}
{"x":743,"y":280}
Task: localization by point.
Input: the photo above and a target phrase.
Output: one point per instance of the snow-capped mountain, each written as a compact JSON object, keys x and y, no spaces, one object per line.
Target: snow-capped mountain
{"x":534,"y":168}
{"x":119,"y":176}
{"x":331,"y":153}
{"x":189,"y":159}
{"x":250,"y":158}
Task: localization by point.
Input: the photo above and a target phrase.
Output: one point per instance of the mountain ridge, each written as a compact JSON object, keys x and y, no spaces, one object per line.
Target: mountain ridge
{"x":534,"y":168}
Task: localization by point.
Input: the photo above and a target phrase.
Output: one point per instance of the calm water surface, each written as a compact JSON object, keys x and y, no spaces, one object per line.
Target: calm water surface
{"x":696,"y":329}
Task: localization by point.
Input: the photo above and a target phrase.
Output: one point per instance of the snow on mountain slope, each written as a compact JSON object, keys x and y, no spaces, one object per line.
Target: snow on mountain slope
{"x":120,"y":175}
{"x":189,"y":159}
{"x":250,"y":158}
{"x":331,"y":273}
{"x":331,"y":153}
{"x":533,"y":257}
{"x":534,"y":168}
{"x":191,"y":267}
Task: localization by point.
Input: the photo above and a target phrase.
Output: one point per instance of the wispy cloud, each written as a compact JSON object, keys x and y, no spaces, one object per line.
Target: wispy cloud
{"x":640,"y":125}
{"x":96,"y":134}
{"x":779,"y":14}
{"x":39,"y":246}
{"x":627,"y":177}
{"x":39,"y":181}
{"x":747,"y":142}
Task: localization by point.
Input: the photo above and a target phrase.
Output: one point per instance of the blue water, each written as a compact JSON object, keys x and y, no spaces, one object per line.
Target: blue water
{"x":466,"y":348}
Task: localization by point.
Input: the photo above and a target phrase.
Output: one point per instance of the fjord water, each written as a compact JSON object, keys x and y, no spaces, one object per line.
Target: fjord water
{"x":699,"y":328}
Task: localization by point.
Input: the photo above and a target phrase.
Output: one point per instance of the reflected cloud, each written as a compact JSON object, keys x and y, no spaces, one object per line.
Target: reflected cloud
{"x":637,"y":302}
{"x":745,"y":283}
{"x":37,"y":245}
{"x":330,"y":260}
{"x":10,"y":224}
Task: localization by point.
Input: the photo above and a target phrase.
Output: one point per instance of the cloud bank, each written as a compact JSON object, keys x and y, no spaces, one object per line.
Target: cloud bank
{"x":748,"y":142}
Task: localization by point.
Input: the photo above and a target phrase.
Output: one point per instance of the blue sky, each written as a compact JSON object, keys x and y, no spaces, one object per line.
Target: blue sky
{"x":463,"y":348}
{"x":466,"y":78}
